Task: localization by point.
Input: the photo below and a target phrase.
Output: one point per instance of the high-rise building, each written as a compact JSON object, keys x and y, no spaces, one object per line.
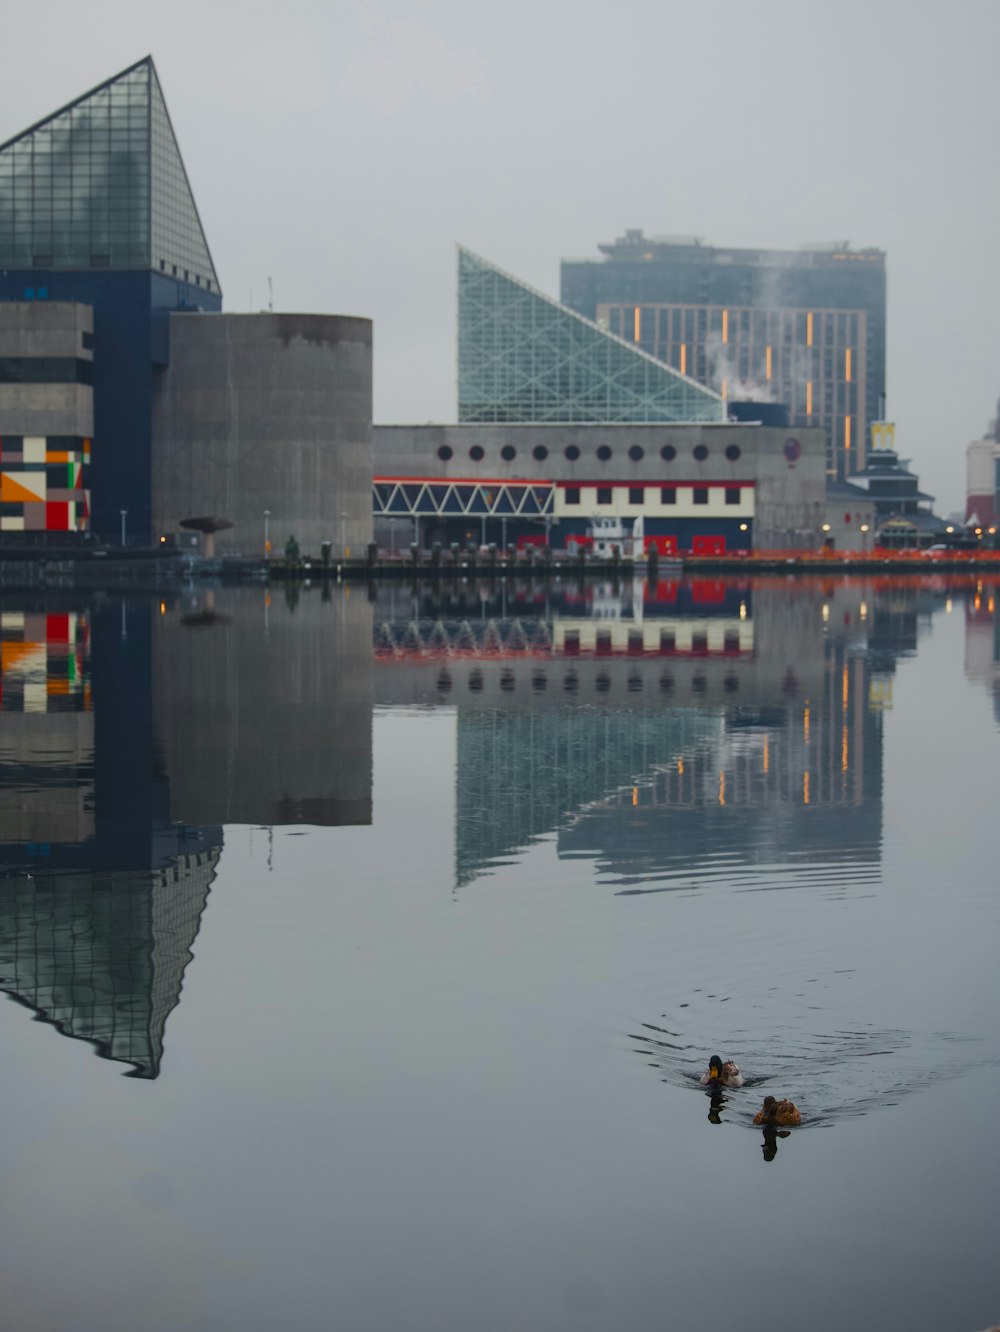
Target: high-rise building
{"x":524,"y":358}
{"x":802,"y":327}
{"x":95,"y":211}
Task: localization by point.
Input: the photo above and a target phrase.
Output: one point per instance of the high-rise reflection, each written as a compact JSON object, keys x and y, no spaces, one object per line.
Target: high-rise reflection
{"x":658,"y":726}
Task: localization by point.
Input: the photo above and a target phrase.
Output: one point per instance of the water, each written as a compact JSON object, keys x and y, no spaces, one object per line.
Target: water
{"x":413,"y":918}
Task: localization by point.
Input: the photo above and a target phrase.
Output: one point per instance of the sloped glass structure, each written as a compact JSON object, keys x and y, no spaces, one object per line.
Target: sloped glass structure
{"x":101,"y":184}
{"x":524,"y":358}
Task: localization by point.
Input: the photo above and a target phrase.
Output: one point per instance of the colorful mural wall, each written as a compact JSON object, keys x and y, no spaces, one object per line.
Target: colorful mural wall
{"x":44,"y":483}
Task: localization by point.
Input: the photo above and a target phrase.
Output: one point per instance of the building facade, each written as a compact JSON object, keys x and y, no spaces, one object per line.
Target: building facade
{"x":982,"y":477}
{"x":803,"y":327}
{"x":96,"y":210}
{"x":264,"y":423}
{"x":125,"y":408}
{"x":698,"y":489}
{"x":47,"y":411}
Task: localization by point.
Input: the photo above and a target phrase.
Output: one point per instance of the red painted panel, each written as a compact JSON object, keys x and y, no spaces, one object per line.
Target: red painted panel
{"x":664,"y":545}
{"x":708,"y":545}
{"x":57,"y":516}
{"x":57,"y":628}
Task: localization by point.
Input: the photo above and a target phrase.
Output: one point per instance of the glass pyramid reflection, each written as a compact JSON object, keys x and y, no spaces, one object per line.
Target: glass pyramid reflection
{"x":523,"y":357}
{"x":101,"y":184}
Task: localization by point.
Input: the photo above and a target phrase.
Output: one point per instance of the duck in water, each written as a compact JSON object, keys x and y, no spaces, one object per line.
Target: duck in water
{"x":719,"y":1074}
{"x":778,"y":1114}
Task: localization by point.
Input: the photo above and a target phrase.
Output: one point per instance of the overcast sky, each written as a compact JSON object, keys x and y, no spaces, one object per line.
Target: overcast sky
{"x":343,"y":149}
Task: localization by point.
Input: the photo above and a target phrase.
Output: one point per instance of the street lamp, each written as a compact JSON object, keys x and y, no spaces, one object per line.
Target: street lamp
{"x":267,"y":534}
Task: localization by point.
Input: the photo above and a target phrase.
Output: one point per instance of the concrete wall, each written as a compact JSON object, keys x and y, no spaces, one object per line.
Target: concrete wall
{"x":790,"y":491}
{"x":44,"y":330}
{"x":266,"y":412}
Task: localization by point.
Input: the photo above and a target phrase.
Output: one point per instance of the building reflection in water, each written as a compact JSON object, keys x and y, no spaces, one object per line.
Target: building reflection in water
{"x":656,"y":727}
{"x":982,"y":638}
{"x":131,"y":731}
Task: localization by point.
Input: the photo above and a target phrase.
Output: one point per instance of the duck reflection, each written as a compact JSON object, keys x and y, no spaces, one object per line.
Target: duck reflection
{"x":716,"y":1100}
{"x":769,"y":1147}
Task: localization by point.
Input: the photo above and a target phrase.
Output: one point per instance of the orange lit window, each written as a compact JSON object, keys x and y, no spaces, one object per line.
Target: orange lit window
{"x":725,"y":326}
{"x":767,"y":363}
{"x":809,"y":397}
{"x":684,"y":358}
{"x":637,"y":322}
{"x":809,"y":329}
{"x":847,"y":364}
{"x":847,"y":432}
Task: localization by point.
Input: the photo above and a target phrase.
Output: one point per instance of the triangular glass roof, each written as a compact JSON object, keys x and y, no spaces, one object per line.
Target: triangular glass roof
{"x":523,"y":357}
{"x":101,"y":184}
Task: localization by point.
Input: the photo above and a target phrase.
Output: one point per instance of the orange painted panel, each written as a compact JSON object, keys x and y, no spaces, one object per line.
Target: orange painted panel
{"x":14,"y":490}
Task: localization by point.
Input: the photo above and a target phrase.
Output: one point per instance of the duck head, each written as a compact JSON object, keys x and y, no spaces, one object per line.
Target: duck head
{"x":714,"y":1068}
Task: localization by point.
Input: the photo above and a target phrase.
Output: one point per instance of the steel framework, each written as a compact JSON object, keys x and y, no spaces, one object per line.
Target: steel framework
{"x":523,"y":357}
{"x":461,"y":499}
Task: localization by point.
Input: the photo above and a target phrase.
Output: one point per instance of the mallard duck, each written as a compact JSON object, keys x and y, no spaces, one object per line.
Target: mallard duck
{"x":779,"y":1114}
{"x":719,"y":1074}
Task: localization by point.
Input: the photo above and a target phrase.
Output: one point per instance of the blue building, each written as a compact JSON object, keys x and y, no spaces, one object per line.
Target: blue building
{"x":96,"y":210}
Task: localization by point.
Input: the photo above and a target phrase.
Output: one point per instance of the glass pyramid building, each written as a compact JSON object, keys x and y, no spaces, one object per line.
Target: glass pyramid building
{"x":101,"y":184}
{"x":524,"y":358}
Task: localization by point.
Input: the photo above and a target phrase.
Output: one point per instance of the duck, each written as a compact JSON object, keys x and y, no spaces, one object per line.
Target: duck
{"x":778,"y":1114}
{"x":719,"y":1074}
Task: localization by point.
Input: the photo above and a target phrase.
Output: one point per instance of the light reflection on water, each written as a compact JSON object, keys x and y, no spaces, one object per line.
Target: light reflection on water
{"x":538,"y":830}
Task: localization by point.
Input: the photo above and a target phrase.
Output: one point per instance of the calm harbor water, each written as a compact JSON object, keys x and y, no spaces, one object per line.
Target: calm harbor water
{"x":412,"y":915}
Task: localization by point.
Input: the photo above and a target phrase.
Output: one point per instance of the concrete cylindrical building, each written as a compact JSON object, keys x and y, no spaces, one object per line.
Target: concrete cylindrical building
{"x":265,"y":421}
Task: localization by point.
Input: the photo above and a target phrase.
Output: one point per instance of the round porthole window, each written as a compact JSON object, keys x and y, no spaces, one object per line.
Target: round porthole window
{"x":508,"y":453}
{"x":539,"y":452}
{"x":668,"y":453}
{"x":637,"y":453}
{"x":572,"y":452}
{"x":604,"y":453}
{"x":733,"y":452}
{"x":700,"y":452}
{"x":476,"y":453}
{"x":444,"y":452}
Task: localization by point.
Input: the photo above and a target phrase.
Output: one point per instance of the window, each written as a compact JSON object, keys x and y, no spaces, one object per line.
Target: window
{"x":540,"y":452}
{"x":444,"y":452}
{"x":636,"y":494}
{"x":700,"y":452}
{"x":700,"y":495}
{"x":733,"y":452}
{"x":572,"y":494}
{"x":604,"y":494}
{"x":508,"y":453}
{"x":668,"y":494}
{"x":637,"y":453}
{"x":732,"y":494}
{"x":604,"y":453}
{"x":572,"y":452}
{"x":668,"y":453}
{"x":476,"y":453}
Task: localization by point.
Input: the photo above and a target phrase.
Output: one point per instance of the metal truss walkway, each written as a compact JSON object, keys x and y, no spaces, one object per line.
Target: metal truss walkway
{"x":405,"y":498}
